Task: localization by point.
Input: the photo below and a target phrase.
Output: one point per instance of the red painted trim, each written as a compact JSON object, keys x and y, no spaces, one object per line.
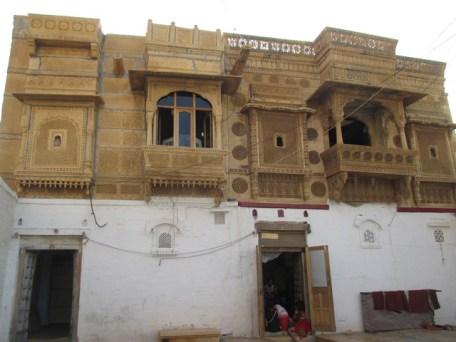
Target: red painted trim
{"x":248,"y":204}
{"x":425,"y":210}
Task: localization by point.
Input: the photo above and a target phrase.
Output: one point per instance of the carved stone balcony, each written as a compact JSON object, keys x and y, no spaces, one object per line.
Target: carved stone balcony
{"x":369,"y":160}
{"x":369,"y":174}
{"x":184,"y":168}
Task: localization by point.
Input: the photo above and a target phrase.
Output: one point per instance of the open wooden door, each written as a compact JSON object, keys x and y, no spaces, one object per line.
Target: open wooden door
{"x":24,"y":294}
{"x":319,"y":288}
{"x":260,"y":292}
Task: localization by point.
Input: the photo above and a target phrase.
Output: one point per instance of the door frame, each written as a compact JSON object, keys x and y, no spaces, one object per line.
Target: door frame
{"x":35,"y":244}
{"x":278,"y":236}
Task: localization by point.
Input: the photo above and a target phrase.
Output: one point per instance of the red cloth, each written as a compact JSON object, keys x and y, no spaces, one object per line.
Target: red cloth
{"x":418,"y":301}
{"x":396,"y":301}
{"x":284,"y":321}
{"x":435,"y":301}
{"x":379,"y":300}
{"x":302,"y":328}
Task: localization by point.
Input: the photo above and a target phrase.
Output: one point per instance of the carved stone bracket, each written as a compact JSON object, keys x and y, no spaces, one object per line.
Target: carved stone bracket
{"x":403,"y":191}
{"x":336,"y":185}
{"x":54,"y":183}
{"x":416,"y":191}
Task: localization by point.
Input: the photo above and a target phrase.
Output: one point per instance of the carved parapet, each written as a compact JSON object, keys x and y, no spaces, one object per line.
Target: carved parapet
{"x":50,"y":27}
{"x":184,"y":168}
{"x":332,"y":37}
{"x":421,"y":66}
{"x":369,"y":160}
{"x":269,"y":45}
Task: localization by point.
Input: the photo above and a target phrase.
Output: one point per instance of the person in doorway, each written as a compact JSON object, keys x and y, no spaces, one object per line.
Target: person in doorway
{"x":272,"y":320}
{"x":301,"y":324}
{"x":284,"y":319}
{"x":270,"y":289}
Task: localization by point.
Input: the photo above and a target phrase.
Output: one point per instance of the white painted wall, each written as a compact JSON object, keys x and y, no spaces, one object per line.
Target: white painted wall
{"x":409,"y":257}
{"x":7,"y":205}
{"x":130,"y":296}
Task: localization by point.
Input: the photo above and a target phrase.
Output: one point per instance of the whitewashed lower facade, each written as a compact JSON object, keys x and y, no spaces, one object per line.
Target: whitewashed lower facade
{"x":130,"y":288}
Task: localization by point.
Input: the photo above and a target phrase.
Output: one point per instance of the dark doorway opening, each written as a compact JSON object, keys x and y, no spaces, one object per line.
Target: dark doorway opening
{"x":285,"y":272}
{"x":52,"y":295}
{"x":354,"y":132}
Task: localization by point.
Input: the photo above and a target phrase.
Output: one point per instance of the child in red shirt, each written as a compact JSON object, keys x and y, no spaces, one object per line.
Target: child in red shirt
{"x":302,"y":325}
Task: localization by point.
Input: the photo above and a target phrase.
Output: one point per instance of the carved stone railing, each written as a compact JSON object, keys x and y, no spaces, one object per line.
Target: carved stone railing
{"x":182,"y":167}
{"x":420,"y":65}
{"x":369,"y":160}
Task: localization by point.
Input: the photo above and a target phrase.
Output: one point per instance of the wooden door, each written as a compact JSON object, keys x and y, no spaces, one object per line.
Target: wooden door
{"x":260,"y":292}
{"x":24,"y":296}
{"x":77,"y":259}
{"x":320,"y":289}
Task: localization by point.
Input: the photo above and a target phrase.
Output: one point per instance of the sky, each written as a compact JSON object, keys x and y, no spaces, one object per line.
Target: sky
{"x":425,"y":29}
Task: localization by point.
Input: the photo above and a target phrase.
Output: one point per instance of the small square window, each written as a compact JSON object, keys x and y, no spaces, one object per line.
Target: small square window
{"x":57,"y":139}
{"x":279,"y":141}
{"x":433,"y":152}
{"x":219,"y":217}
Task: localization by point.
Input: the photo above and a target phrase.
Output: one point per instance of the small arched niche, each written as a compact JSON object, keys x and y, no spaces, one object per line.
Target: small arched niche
{"x":164,"y":238}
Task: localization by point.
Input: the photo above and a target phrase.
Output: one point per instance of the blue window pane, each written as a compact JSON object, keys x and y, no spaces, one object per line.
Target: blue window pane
{"x":184,"y":99}
{"x":166,"y":101}
{"x":202,"y":103}
{"x":184,"y":129}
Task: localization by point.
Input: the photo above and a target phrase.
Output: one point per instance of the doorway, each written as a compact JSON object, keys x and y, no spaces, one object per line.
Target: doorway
{"x":52,"y":293}
{"x":284,"y":283}
{"x":47,"y":293}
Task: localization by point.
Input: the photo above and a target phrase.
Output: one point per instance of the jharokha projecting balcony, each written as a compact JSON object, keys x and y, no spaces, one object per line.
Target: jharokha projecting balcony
{"x":174,"y":167}
{"x":181,"y":155}
{"x":369,"y":160}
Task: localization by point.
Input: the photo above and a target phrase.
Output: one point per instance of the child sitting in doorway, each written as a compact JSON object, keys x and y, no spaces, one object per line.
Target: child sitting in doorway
{"x":284,"y":319}
{"x":301,"y":324}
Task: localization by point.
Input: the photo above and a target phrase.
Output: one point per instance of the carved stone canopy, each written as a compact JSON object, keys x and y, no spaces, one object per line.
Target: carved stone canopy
{"x":282,"y":226}
{"x":283,"y":109}
{"x":230,"y":83}
{"x":408,"y":96}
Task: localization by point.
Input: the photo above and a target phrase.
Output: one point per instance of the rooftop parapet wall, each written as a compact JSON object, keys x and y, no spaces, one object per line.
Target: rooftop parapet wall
{"x":332,"y":37}
{"x":172,"y":49}
{"x":269,"y":45}
{"x":422,"y":66}
{"x":171,"y":35}
{"x":49,"y":27}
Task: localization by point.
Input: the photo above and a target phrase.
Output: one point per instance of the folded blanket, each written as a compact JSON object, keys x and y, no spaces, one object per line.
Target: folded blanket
{"x":379,"y":300}
{"x":433,"y":296}
{"x":418,"y":301}
{"x":396,"y":301}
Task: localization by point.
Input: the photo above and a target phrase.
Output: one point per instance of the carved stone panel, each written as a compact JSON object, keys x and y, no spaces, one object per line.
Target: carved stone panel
{"x":50,"y":123}
{"x":434,"y":153}
{"x":57,"y":149}
{"x":272,"y":126}
{"x":280,"y":185}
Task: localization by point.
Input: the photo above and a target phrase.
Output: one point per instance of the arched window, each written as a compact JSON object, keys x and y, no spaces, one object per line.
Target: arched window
{"x":57,"y":141}
{"x":279,"y":141}
{"x":165,"y":240}
{"x":369,"y":236}
{"x":184,"y":119}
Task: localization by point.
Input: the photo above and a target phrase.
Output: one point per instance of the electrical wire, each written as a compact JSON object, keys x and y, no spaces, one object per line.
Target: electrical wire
{"x":359,"y":107}
{"x":92,"y":212}
{"x":181,"y":255}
